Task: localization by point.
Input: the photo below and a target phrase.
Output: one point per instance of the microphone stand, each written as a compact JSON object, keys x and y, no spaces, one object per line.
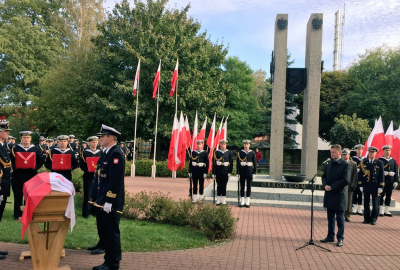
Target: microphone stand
{"x":311,"y":242}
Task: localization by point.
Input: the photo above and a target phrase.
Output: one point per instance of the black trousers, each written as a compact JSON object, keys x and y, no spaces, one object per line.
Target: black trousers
{"x":17,"y":184}
{"x":368,"y":215}
{"x":2,"y":206}
{"x":110,"y":231}
{"x":87,"y":186}
{"x":387,"y":193}
{"x":222,"y":181}
{"x":198,"y":180}
{"x":100,"y":228}
{"x":245,"y":179}
{"x":357,"y":196}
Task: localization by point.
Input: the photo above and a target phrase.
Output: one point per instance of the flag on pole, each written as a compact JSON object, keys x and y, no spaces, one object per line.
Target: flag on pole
{"x":224,"y":130}
{"x":174,"y":79}
{"x":369,"y":141}
{"x":182,"y":141}
{"x":135,"y":84}
{"x":156,"y":80}
{"x":396,"y":146}
{"x":379,"y":138}
{"x":188,"y":136}
{"x":202,"y":134}
{"x":218,"y":135}
{"x":389,"y":134}
{"x":195,"y":130}
{"x":171,"y":153}
{"x":210,"y":144}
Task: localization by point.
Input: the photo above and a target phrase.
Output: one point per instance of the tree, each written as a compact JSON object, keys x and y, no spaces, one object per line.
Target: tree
{"x":376,"y":77}
{"x":349,"y":131}
{"x":335,"y":87}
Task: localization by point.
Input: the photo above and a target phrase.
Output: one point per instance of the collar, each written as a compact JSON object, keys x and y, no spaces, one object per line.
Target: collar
{"x":245,"y":151}
{"x":92,"y":151}
{"x":62,"y":151}
{"x":222,"y":151}
{"x":108,"y":149}
{"x":198,"y":151}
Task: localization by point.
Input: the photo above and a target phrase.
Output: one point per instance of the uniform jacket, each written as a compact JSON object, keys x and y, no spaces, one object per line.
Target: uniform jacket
{"x":353,"y":179}
{"x":246,"y":157}
{"x":196,"y":158}
{"x":373,"y":177}
{"x":110,"y":176}
{"x":5,"y":171}
{"x":359,"y":171}
{"x":336,"y":175}
{"x":88,"y":153}
{"x":220,"y":160}
{"x":390,"y":165}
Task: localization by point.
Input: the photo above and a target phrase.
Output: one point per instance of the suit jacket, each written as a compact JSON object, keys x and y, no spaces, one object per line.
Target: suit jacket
{"x":336,"y":175}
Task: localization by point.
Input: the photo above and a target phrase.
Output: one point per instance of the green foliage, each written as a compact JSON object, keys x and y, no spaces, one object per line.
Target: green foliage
{"x":217,"y":223}
{"x":349,"y":131}
{"x":376,"y":77}
{"x":334,"y":96}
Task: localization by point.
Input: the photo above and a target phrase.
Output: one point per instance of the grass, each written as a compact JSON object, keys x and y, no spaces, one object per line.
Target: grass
{"x":137,"y":236}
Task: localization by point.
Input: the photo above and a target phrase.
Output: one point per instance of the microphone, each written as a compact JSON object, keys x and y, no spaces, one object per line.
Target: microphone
{"x":326,"y":161}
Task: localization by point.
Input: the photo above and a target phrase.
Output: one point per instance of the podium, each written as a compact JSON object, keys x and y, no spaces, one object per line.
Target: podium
{"x":47,"y":231}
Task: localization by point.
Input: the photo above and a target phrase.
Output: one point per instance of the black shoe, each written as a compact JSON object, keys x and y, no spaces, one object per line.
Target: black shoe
{"x":3,"y":253}
{"x":388,"y":215}
{"x":360,"y":214}
{"x":247,"y":206}
{"x":326,"y":240}
{"x":92,"y":248}
{"x":373,"y":222}
{"x":381,"y":215}
{"x":347,"y":219}
{"x":101,"y":267}
{"x":339,"y":243}
{"x":98,"y":251}
{"x":2,"y":257}
{"x":365,"y":222}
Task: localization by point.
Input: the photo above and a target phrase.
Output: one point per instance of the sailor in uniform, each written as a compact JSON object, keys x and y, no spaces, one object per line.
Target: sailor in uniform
{"x":222,"y":170}
{"x":26,"y":160}
{"x":246,"y":168}
{"x":391,"y":180}
{"x":198,"y":169}
{"x":357,"y":194}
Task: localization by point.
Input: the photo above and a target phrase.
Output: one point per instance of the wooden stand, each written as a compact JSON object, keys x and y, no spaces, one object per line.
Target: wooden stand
{"x":46,"y":243}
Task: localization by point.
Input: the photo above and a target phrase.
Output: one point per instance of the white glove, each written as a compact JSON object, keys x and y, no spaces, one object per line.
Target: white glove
{"x":1,"y":199}
{"x":238,"y":177}
{"x":107,"y":207}
{"x":380,"y":190}
{"x":229,"y":175}
{"x":190,"y":174}
{"x":213,"y":176}
{"x":395,"y":185}
{"x":205,"y":176}
{"x":361,"y":188}
{"x":254,"y":176}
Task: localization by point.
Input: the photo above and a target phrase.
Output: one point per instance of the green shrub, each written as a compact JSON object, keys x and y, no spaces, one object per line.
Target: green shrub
{"x":77,"y":179}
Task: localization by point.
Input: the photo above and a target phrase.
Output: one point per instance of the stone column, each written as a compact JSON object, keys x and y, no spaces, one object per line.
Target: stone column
{"x":309,"y":153}
{"x":278,"y":97}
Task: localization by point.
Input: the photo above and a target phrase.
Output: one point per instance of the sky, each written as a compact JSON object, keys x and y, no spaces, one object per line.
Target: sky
{"x":247,"y":26}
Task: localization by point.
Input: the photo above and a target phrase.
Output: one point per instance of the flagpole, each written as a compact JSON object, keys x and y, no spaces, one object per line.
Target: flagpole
{"x":153,"y":168}
{"x":176,"y":112}
{"x":133,"y":168}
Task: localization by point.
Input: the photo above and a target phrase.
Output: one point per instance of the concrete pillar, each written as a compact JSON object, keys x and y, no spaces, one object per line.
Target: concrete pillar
{"x":309,"y":153}
{"x":278,"y":97}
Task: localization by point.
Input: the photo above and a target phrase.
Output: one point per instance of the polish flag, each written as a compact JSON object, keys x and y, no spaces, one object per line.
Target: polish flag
{"x":224,"y":130}
{"x":136,"y":83}
{"x":195,"y":130}
{"x":379,"y":137}
{"x":188,"y":136}
{"x":202,"y":134}
{"x":218,"y":135}
{"x":210,"y":144}
{"x":369,"y":141}
{"x":389,"y":134}
{"x":182,"y":141}
{"x":174,"y":79}
{"x":174,"y":138}
{"x":396,"y":146}
{"x":156,"y":80}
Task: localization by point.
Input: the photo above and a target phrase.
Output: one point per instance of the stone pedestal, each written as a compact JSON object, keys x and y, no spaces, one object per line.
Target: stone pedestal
{"x":309,"y":153}
{"x":278,"y":97}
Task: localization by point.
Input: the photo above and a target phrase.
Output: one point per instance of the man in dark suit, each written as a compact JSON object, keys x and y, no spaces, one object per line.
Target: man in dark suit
{"x":372,"y":184}
{"x":110,"y":196}
{"x":353,"y":180}
{"x":335,"y":181}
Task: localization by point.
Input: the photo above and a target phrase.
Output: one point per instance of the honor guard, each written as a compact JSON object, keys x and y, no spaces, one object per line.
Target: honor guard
{"x":124,"y":149}
{"x":5,"y":172}
{"x":130,"y":147}
{"x":88,"y":161}
{"x":71,"y":142}
{"x":371,"y":184}
{"x":110,"y":196}
{"x":9,"y":144}
{"x":391,"y":180}
{"x":43,"y":147}
{"x":198,"y":169}
{"x":246,"y":168}
{"x":62,"y":159}
{"x":357,"y":194}
{"x":222,"y":170}
{"x":26,"y":159}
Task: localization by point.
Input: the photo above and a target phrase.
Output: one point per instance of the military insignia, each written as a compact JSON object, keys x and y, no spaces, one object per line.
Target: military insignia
{"x":317,"y":23}
{"x":116,"y":160}
{"x":296,"y":80}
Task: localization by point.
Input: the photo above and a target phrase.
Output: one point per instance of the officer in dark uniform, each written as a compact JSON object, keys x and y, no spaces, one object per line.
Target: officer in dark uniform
{"x":26,"y":159}
{"x":9,"y":144}
{"x":124,"y":149}
{"x":65,"y":150}
{"x":42,"y":146}
{"x":222,"y":169}
{"x":71,"y":142}
{"x":86,"y":159}
{"x":110,"y":196}
{"x":130,"y":148}
{"x":198,"y":169}
{"x":371,"y":184}
{"x":391,"y":180}
{"x":246,"y":168}
{"x":5,"y":172}
{"x":357,"y":194}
